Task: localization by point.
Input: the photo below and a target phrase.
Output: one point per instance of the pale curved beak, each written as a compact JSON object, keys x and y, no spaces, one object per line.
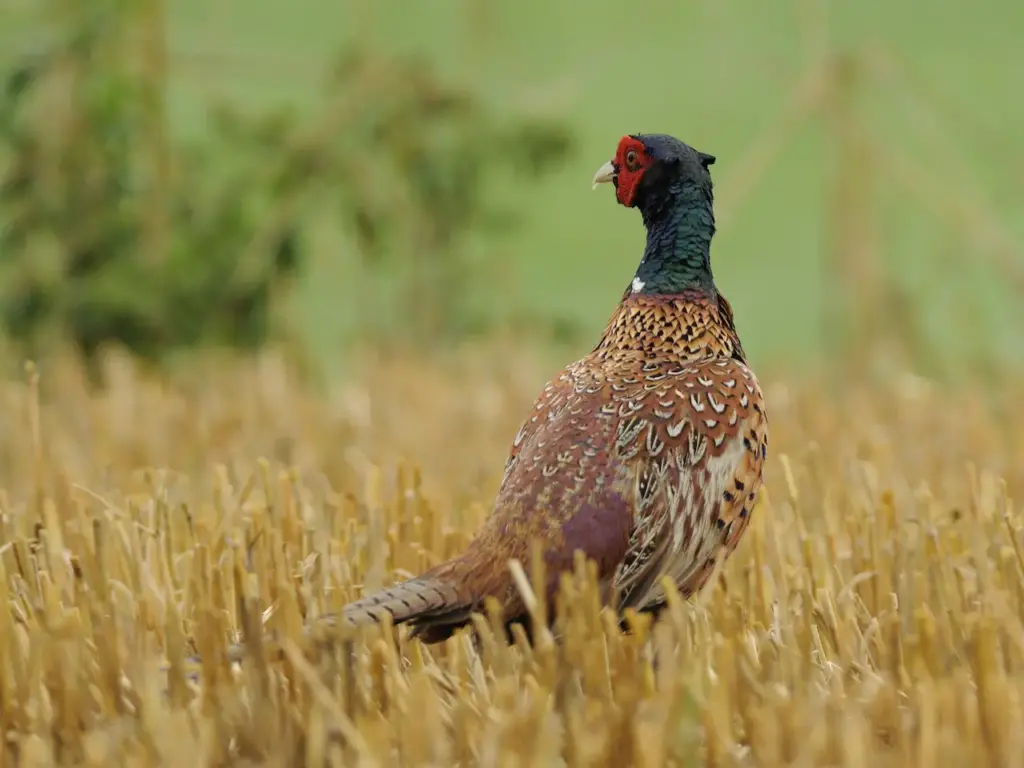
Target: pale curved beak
{"x":605,"y":174}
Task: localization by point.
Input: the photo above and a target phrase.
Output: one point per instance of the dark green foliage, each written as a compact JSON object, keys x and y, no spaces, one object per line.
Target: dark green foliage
{"x":99,"y":247}
{"x":412,"y":175}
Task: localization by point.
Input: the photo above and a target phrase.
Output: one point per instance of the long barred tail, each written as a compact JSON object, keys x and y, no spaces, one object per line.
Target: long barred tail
{"x":426,"y":599}
{"x":407,"y":601}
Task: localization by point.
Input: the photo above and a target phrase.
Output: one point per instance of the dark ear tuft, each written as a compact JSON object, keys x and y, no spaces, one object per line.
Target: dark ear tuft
{"x":706,"y":160}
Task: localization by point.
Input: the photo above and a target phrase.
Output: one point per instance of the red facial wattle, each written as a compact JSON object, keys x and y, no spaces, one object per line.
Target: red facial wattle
{"x":631,"y":160}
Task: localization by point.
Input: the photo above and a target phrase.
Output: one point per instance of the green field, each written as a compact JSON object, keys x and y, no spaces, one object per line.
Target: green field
{"x":714,"y":72}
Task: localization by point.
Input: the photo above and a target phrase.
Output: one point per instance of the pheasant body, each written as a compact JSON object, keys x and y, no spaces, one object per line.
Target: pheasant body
{"x":646,"y":454}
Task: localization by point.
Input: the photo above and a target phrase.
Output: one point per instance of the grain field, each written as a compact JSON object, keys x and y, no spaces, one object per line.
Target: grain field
{"x":870,"y":617}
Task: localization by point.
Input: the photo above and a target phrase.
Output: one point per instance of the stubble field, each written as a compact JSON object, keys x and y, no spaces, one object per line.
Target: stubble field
{"x":870,"y":617}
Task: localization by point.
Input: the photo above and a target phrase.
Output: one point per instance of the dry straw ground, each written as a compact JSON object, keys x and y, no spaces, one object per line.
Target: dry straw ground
{"x":871,"y":617}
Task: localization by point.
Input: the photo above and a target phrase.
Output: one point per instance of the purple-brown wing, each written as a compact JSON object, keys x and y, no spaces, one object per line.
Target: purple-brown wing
{"x":561,"y":488}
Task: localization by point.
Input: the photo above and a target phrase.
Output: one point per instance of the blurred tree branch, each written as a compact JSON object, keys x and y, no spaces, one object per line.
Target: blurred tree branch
{"x":111,"y":231}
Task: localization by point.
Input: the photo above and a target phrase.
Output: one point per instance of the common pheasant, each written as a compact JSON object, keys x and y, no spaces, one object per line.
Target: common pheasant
{"x":646,"y":454}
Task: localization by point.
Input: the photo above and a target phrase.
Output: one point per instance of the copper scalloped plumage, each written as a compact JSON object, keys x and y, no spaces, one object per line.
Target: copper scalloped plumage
{"x":646,"y":454}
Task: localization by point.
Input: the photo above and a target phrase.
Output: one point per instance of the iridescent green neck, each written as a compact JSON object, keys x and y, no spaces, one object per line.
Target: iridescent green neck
{"x":680,"y":224}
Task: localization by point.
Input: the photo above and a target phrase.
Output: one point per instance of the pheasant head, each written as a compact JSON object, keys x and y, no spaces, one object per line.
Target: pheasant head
{"x":670,"y":183}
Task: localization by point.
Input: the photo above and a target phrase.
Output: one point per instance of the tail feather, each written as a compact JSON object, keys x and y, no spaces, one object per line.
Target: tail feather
{"x":431,"y":604}
{"x":410,"y":600}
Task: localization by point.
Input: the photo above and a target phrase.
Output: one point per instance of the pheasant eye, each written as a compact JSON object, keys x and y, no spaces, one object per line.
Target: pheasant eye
{"x":632,"y":161}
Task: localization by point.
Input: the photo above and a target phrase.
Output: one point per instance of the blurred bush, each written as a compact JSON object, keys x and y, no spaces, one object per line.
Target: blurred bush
{"x":114,"y":232}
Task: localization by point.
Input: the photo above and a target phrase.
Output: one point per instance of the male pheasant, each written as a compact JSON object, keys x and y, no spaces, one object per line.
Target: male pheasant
{"x":647,"y":453}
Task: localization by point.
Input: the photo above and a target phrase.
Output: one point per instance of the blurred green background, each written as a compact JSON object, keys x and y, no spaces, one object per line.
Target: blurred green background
{"x":867,"y":178}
